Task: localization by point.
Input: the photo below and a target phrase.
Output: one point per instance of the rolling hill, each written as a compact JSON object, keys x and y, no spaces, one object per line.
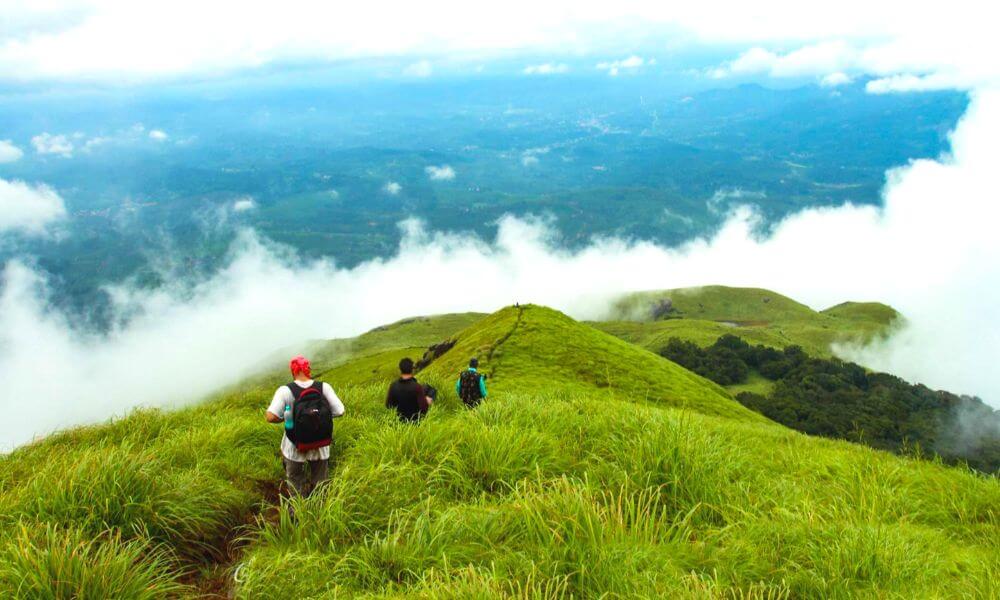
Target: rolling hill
{"x":759,"y":316}
{"x":595,"y":469}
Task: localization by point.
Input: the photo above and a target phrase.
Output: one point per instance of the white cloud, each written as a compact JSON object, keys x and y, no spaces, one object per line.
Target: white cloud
{"x":546,"y":69}
{"x":835,"y":79}
{"x":392,"y":188}
{"x":617,"y":66}
{"x":724,"y":199}
{"x":813,"y":60}
{"x":46,"y":143}
{"x":669,"y":215}
{"x":925,"y":57}
{"x":442,"y":173}
{"x":529,"y":157}
{"x":9,"y":152}
{"x":83,"y":39}
{"x":755,"y":60}
{"x":96,"y":142}
{"x":28,"y":209}
{"x":915,"y":83}
{"x":244,"y":204}
{"x":67,"y":144}
{"x":421,"y":68}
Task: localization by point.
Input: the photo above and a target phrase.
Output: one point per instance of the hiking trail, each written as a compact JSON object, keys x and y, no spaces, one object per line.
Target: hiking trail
{"x":213,"y":577}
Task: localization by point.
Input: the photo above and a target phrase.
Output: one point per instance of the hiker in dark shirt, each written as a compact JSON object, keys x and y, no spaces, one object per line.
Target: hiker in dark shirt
{"x":407,"y":396}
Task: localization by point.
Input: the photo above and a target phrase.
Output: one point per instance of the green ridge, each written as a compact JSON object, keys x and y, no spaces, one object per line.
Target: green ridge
{"x":872,"y":312}
{"x":718,"y":303}
{"x":702,"y":315}
{"x":654,"y":335}
{"x":533,"y":348}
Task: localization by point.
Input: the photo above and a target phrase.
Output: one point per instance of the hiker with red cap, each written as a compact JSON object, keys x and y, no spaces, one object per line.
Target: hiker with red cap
{"x":307,"y":408}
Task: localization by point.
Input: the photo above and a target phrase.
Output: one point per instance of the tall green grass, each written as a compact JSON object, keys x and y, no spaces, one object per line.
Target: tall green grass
{"x":42,"y":561}
{"x":544,"y":491}
{"x":632,"y":502}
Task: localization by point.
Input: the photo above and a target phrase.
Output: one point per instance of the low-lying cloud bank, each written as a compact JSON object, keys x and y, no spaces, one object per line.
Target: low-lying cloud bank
{"x":931,"y":251}
{"x":9,"y":152}
{"x":28,"y":209}
{"x":442,"y":173}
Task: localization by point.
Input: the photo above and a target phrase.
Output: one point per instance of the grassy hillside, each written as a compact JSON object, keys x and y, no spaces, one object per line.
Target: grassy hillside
{"x":537,"y":348}
{"x":380,"y":367}
{"x":408,"y":333}
{"x":874,"y":313}
{"x":653,"y":335}
{"x":722,"y":303}
{"x":702,"y":315}
{"x":594,"y":469}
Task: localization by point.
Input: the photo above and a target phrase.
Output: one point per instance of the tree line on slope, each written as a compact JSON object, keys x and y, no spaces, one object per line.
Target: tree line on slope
{"x":838,"y":399}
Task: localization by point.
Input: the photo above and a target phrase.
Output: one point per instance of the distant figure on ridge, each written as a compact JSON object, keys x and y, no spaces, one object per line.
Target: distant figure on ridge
{"x":471,"y":386}
{"x":307,"y":408}
{"x":410,"y":399}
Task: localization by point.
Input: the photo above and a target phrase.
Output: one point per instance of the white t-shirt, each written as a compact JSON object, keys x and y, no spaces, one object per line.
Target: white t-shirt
{"x":284,"y":396}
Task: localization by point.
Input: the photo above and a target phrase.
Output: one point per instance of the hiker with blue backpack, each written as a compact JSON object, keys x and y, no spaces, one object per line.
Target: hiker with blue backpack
{"x":307,"y":409}
{"x":471,"y":385}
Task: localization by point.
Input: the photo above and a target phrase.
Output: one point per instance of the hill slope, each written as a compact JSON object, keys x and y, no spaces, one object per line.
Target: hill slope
{"x":702,"y":315}
{"x":874,"y":313}
{"x":536,"y":348}
{"x":547,"y":490}
{"x":408,"y":333}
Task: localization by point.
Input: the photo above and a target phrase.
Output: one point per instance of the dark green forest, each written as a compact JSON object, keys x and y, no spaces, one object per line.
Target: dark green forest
{"x":838,"y":399}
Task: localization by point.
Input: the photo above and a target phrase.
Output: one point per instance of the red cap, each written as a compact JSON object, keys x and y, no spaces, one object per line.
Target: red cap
{"x":300,"y":364}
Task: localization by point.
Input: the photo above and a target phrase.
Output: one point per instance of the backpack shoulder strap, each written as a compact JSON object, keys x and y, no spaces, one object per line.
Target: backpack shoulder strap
{"x":295,"y":390}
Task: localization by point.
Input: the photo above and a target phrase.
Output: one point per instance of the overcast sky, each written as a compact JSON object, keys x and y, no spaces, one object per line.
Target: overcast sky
{"x":122,"y":40}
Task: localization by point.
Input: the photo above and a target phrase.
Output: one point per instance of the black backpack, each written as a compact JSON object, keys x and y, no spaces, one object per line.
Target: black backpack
{"x":312,"y":420}
{"x":468,"y":389}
